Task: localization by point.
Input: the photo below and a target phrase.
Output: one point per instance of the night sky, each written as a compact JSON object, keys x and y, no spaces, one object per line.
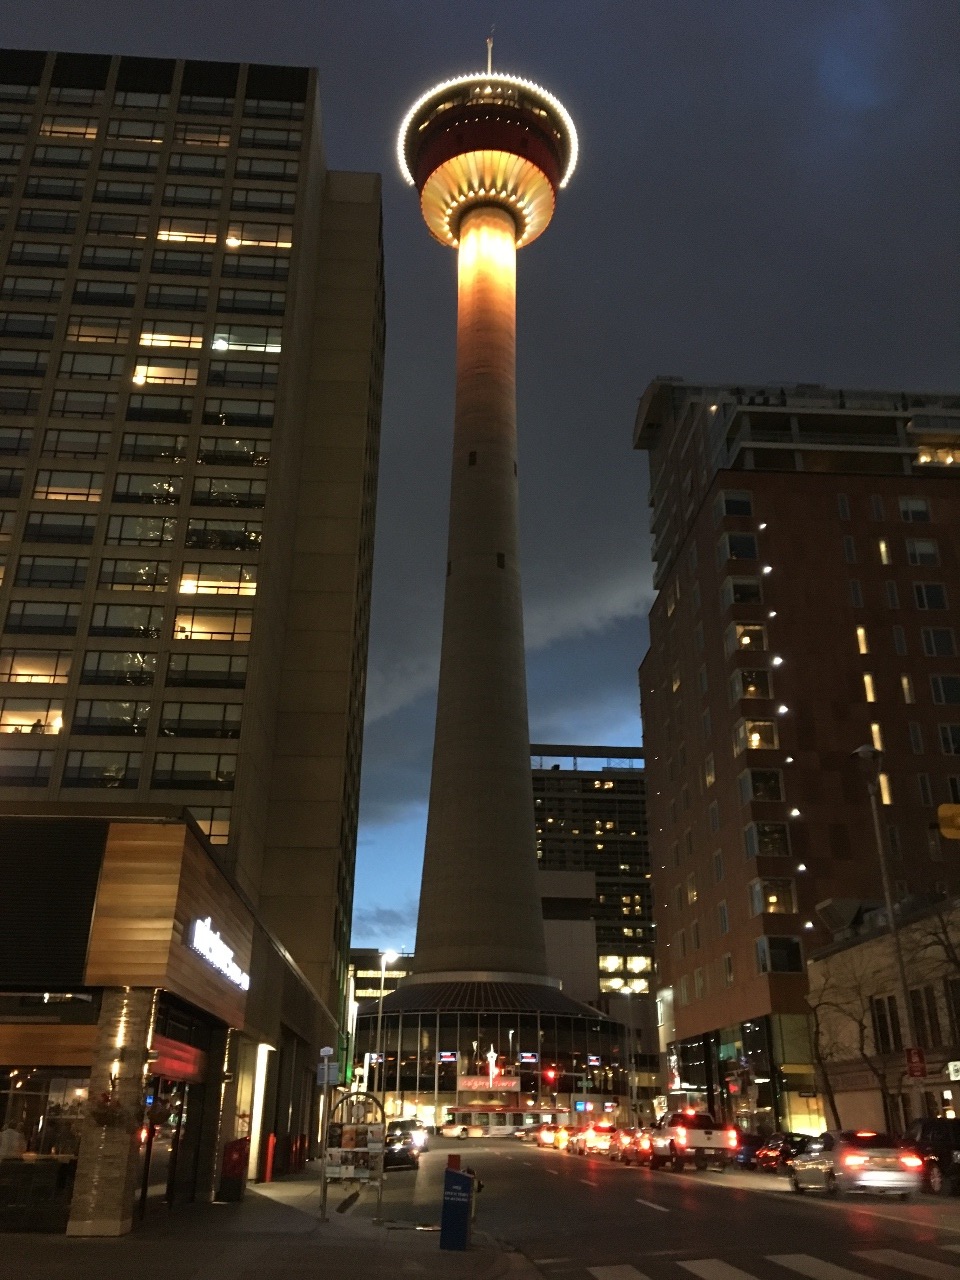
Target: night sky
{"x":767,"y":192}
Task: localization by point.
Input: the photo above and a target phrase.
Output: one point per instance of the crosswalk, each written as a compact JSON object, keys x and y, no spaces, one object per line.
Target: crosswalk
{"x":866,"y":1264}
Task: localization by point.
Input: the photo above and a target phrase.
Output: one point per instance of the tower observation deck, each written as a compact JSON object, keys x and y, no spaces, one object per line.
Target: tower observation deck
{"x":487,"y":153}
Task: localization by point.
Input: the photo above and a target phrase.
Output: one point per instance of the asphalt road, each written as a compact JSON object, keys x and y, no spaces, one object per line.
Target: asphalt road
{"x":590,"y":1218}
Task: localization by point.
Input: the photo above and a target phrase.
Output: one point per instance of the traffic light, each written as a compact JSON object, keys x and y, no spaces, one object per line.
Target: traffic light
{"x":948,"y":816}
{"x":549,"y":1074}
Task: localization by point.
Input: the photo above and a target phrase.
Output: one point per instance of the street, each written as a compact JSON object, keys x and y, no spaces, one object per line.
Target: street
{"x":578,"y":1217}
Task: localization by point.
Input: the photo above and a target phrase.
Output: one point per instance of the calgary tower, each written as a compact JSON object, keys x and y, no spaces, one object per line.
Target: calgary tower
{"x":487,"y":153}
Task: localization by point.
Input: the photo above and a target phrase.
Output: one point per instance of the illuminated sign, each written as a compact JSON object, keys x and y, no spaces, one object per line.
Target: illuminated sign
{"x":447,"y":1055}
{"x":207,"y":943}
{"x":477,"y":1084}
{"x":593,"y":1060}
{"x":529,"y":1057}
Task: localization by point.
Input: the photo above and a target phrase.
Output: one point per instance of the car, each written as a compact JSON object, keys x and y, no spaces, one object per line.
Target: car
{"x":748,"y":1144}
{"x":692,"y":1137}
{"x":620,"y":1139}
{"x":640,"y":1147}
{"x":400,"y":1151}
{"x":856,"y":1160}
{"x":592,"y":1138}
{"x":937,"y":1142}
{"x":547,"y":1135}
{"x":775,"y":1154}
{"x":457,"y":1129}
{"x":415,"y":1128}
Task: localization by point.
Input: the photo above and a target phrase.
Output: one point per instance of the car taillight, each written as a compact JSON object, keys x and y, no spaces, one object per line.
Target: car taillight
{"x":732,"y":1139}
{"x":854,"y":1162}
{"x":911,"y":1161}
{"x":681,"y":1138}
{"x":644,"y":1143}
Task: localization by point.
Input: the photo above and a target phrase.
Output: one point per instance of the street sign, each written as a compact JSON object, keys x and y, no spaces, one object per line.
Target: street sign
{"x":328,"y":1073}
{"x":953,"y":1070}
{"x":593,"y":1060}
{"x":526,"y":1058}
{"x":916,"y":1064}
{"x":447,"y":1055}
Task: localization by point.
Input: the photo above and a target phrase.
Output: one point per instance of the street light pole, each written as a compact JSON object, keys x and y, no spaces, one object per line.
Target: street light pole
{"x":872,"y":761}
{"x":386,"y":957}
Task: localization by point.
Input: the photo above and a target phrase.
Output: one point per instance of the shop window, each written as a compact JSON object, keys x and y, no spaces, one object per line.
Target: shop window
{"x":31,"y":715}
{"x":779,"y":955}
{"x":115,"y":667}
{"x":194,"y":772}
{"x":35,"y":666}
{"x":42,"y":617}
{"x":126,"y":620}
{"x":134,"y":575}
{"x":213,"y":624}
{"x":102,"y":769}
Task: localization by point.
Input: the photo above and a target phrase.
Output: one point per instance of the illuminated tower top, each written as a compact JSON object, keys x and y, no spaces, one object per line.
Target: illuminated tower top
{"x":487,"y":139}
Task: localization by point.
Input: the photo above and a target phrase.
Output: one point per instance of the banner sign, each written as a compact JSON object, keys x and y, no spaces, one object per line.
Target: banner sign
{"x":481,"y":1084}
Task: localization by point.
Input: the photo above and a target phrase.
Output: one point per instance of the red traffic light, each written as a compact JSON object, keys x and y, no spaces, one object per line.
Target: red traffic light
{"x":550,"y":1074}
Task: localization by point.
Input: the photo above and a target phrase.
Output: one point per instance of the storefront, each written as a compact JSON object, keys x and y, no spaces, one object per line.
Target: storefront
{"x":147,"y":1022}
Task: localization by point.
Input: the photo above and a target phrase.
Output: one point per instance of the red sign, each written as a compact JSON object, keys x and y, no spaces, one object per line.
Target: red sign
{"x":916,"y":1064}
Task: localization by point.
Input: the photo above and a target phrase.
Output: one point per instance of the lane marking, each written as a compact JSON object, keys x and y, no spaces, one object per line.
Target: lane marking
{"x":555,"y":1172}
{"x":650,"y":1205}
{"x":815,"y":1268}
{"x":714,"y":1269}
{"x":913,"y":1266}
{"x":587,"y":1183}
{"x":622,"y":1271}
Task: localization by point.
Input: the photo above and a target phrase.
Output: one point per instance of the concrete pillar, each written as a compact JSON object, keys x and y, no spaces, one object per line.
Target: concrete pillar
{"x":108,"y":1166}
{"x":479,"y":904}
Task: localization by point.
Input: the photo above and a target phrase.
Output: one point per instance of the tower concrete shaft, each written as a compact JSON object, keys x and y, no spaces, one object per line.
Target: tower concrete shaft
{"x":479,"y":904}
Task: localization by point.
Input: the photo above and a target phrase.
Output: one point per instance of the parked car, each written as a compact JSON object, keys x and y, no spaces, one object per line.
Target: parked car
{"x":415,"y":1128}
{"x":937,"y":1142}
{"x":856,"y":1160}
{"x":400,"y":1152}
{"x":692,"y":1137}
{"x":777,"y":1151}
{"x":748,"y":1144}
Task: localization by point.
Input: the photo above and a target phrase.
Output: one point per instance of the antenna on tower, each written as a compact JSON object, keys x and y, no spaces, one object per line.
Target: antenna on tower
{"x":490,"y":52}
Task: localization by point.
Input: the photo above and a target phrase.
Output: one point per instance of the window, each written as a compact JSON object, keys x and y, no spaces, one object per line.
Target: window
{"x":922,"y":551}
{"x":224,"y":535}
{"x":883,"y":548}
{"x":213,"y":822}
{"x":213,"y":624}
{"x":87,"y":364}
{"x":182,"y":262}
{"x":767,"y":840}
{"x":59,"y":571}
{"x":177,"y":297}
{"x":202,"y":135}
{"x":136,"y":130}
{"x":728,"y":969}
{"x":892,"y":594}
{"x":171,"y":333}
{"x":21,"y":324}
{"x":930,"y":595}
{"x":923,"y":1001}
{"x":104,"y":293}
{"x":26,"y":253}
{"x":14,"y":122}
{"x":914,"y":510}
{"x":760,"y":784}
{"x":278,"y":109}
{"x":31,"y":715}
{"x":197,"y":165}
{"x":779,"y":955}
{"x":228,"y":491}
{"x":939,"y":642}
{"x":57,"y":157}
{"x":76,"y":127}
{"x":863,"y":645}
{"x":30,"y":364}
{"x":698,"y":983}
{"x":102,"y":769}
{"x":899,"y":640}
{"x":113,"y":718}
{"x":916,"y":737}
{"x":750,"y":683}
{"x":126,"y":620}
{"x":179,"y":193}
{"x":218,"y":579}
{"x":252,"y":266}
{"x":869,"y":689}
{"x":112,"y":666}
{"x":83,"y":404}
{"x":52,"y":221}
{"x":104,"y":330}
{"x":843,"y":506}
{"x":742,"y":591}
{"x":163,"y":369}
{"x":59,"y":526}
{"x":134,"y":575}
{"x":250,"y":451}
{"x":35,"y":666}
{"x":156,"y":490}
{"x":241,"y":373}
{"x":684,"y":990}
{"x":263,"y":167}
{"x":53,"y":189}
{"x":42,"y":617}
{"x":203,"y":104}
{"x":876,"y":507}
{"x":717,"y":866}
{"x":200,"y":719}
{"x":256,"y":302}
{"x":207,"y":670}
{"x":885,"y":1018}
{"x":141,"y":101}
{"x":247,"y":337}
{"x":734,"y":503}
{"x":125,"y":226}
{"x":123,"y":192}
{"x":262,"y":200}
{"x":723,"y":918}
{"x":876,"y":736}
{"x":7,"y":521}
{"x":849,"y":549}
{"x":140,"y":531}
{"x":771,"y":897}
{"x":934,"y":845}
{"x":709,"y":771}
{"x":180,"y":770}
{"x":906,"y":688}
{"x":25,"y":768}
{"x":856,"y":594}
{"x":32,"y":289}
{"x":691,"y":889}
{"x":140,"y":447}
{"x":950,"y":739}
{"x":188,"y":230}
{"x":11,"y":482}
{"x":755,"y":735}
{"x":272,"y":139}
{"x":737,"y":546}
{"x":945,"y":689}
{"x":923,"y":786}
{"x":129,"y":161}
{"x":110,"y":258}
{"x":69,"y":486}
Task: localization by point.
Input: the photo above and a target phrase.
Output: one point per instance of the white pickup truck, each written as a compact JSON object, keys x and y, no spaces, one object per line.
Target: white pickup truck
{"x":691,"y":1137}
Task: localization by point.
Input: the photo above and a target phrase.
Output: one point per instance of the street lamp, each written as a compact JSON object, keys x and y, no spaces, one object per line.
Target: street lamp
{"x":386,"y":957}
{"x":871,"y":761}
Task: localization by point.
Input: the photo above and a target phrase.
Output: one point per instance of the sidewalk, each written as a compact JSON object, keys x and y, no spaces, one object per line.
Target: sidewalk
{"x":273,"y":1234}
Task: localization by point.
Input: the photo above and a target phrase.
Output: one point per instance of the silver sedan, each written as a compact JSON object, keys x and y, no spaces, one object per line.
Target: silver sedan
{"x":856,"y":1160}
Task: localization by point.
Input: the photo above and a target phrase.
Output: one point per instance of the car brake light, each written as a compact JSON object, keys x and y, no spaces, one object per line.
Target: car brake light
{"x":644,"y":1143}
{"x":732,"y":1139}
{"x":689,"y":1111}
{"x":681,"y":1138}
{"x":866,"y":1133}
{"x":911,"y":1162}
{"x":854,"y":1162}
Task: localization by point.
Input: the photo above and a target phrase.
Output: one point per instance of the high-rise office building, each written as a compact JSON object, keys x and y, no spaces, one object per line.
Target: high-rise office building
{"x":805,"y":542}
{"x":191,"y":354}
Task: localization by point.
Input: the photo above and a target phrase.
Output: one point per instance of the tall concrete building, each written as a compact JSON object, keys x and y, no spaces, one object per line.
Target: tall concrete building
{"x":191,"y":355}
{"x":806,"y":555}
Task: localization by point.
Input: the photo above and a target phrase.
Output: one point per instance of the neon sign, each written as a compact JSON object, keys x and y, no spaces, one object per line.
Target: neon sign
{"x":207,"y":943}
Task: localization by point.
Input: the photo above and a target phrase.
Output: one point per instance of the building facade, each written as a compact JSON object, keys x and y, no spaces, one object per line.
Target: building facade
{"x":806,"y":568}
{"x":191,"y":355}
